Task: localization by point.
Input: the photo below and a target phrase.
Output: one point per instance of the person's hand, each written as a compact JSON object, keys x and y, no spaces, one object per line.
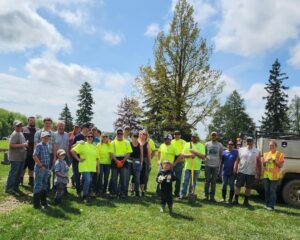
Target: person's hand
{"x":158,"y":163}
{"x":25,"y":144}
{"x":81,"y":159}
{"x":43,"y":168}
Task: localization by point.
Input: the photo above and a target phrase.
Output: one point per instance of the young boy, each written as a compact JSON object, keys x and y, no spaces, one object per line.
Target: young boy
{"x":61,"y":178}
{"x":165,"y":178}
{"x":41,"y":156}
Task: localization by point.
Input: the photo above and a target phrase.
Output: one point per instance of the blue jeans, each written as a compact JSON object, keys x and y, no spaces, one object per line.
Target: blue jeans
{"x":76,"y":175}
{"x":228,"y":180}
{"x":87,"y":180}
{"x":178,"y":174}
{"x":134,"y":169}
{"x":102,"y":180}
{"x":14,"y":176}
{"x":270,"y":192}
{"x":211,"y":174}
{"x":119,"y":187}
{"x":41,"y":180}
{"x":187,"y":181}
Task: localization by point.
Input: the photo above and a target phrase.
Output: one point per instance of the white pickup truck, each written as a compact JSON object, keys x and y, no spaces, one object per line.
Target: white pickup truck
{"x":289,"y":144}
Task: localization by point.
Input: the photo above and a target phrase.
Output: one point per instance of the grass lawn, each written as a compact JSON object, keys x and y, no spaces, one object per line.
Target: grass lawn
{"x":139,"y":218}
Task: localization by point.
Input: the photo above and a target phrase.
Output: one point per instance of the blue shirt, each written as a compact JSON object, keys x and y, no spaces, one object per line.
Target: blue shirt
{"x":42,"y":152}
{"x":228,"y":160}
{"x":62,"y":167}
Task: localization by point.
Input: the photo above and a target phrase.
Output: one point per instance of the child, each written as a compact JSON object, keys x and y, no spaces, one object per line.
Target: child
{"x":165,"y":178}
{"x":41,"y":156}
{"x":61,"y":175}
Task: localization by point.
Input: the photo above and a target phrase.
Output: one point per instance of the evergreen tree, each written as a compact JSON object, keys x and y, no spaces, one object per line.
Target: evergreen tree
{"x":275,"y":118}
{"x":129,"y":114}
{"x":85,"y":103}
{"x":67,"y":118}
{"x":294,"y":114}
{"x":231,"y":119}
{"x":181,"y":89}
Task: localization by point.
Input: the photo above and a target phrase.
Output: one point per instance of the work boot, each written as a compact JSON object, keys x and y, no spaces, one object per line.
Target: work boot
{"x":44,"y":199}
{"x":236,"y":200}
{"x":21,"y":181}
{"x":137,"y":194}
{"x":223,"y":196}
{"x":37,"y":200}
{"x":57,"y":201}
{"x":246,"y":202}
{"x":31,"y":181}
{"x":162,"y":209}
{"x":170,"y":209}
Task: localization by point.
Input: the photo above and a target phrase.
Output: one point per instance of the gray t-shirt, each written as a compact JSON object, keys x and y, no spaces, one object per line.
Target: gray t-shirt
{"x":247,"y":164}
{"x":17,"y":154}
{"x":214,"y":151}
{"x":62,"y":141}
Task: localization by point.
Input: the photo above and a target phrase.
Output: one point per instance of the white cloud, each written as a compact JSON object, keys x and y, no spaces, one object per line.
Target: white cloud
{"x":152,"y":30}
{"x":203,"y":10}
{"x":295,"y":56}
{"x":76,"y":18}
{"x":112,"y":38}
{"x":252,"y":27}
{"x":229,"y":86}
{"x":50,"y":84}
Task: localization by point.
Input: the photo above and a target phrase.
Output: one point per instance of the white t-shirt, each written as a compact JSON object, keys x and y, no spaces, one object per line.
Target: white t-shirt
{"x":247,"y":164}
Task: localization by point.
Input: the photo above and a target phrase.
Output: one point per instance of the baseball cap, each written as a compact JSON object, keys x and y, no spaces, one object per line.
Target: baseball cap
{"x":17,"y":123}
{"x":126,"y":127}
{"x":194,"y":134}
{"x":135,"y":134}
{"x":104,"y":134}
{"x":176,"y":132}
{"x":166,"y":162}
{"x":168,"y":136}
{"x":119,"y":130}
{"x":213,"y":133}
{"x":45,"y":134}
{"x":85,"y":125}
{"x":249,"y":139}
{"x":61,"y":152}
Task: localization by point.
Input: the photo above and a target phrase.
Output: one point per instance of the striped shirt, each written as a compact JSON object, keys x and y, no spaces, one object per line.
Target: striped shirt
{"x":42,"y":152}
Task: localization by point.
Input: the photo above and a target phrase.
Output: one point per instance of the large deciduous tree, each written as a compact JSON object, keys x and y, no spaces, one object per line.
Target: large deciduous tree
{"x":294,"y":114}
{"x":231,"y":119}
{"x":129,"y":114}
{"x":275,"y":117}
{"x":66,"y":116}
{"x":85,"y":104}
{"x":180,"y":89}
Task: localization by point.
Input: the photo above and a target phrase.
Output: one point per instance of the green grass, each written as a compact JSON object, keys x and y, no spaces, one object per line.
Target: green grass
{"x":134,"y":218}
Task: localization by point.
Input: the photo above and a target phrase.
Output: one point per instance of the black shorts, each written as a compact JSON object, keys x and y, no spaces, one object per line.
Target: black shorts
{"x":29,"y":162}
{"x":245,"y":180}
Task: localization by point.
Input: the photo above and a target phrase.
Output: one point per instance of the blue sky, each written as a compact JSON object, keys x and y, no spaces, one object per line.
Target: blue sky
{"x":49,"y":48}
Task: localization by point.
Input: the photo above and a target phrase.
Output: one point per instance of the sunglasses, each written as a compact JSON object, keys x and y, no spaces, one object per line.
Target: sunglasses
{"x":145,"y":134}
{"x":104,"y":136}
{"x":119,"y":133}
{"x":230,"y":144}
{"x":90,"y":136}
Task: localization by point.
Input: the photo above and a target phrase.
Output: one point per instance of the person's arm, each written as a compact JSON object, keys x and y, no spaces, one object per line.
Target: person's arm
{"x":18,"y":145}
{"x":158,"y":158}
{"x":98,"y":165}
{"x":54,"y":151}
{"x":198,"y":154}
{"x":126,"y":157}
{"x":279,"y":160}
{"x":74,"y":154}
{"x":236,"y":164}
{"x":37,"y":160}
{"x":142,"y":154}
{"x":180,"y":158}
{"x":258,"y":166}
{"x":149,"y":153}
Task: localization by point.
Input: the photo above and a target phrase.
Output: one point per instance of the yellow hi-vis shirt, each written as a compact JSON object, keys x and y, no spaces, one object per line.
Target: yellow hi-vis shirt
{"x":104,"y":153}
{"x":271,"y":170}
{"x":120,"y":148}
{"x":200,"y":148}
{"x":89,"y":153}
{"x":152,"y":144}
{"x":178,"y":144}
{"x":168,"y":152}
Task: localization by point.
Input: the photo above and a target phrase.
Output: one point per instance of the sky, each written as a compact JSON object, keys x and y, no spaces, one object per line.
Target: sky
{"x":49,"y":48}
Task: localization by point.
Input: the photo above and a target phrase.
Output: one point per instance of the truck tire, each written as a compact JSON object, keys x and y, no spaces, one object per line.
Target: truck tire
{"x":291,"y":193}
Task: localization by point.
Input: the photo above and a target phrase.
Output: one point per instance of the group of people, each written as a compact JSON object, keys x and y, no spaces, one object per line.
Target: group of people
{"x":123,"y":164}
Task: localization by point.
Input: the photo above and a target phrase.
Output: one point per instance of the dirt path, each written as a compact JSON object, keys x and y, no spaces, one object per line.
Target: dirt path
{"x":10,"y":204}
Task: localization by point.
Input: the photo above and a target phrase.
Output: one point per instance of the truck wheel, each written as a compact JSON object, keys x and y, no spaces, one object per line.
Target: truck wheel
{"x":291,"y":193}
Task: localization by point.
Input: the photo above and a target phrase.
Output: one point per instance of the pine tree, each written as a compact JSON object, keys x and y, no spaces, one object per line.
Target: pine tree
{"x":275,"y":117}
{"x":231,"y":119}
{"x":67,"y":118}
{"x":294,"y":114}
{"x":85,"y":103}
{"x":129,"y":114}
{"x":181,"y":88}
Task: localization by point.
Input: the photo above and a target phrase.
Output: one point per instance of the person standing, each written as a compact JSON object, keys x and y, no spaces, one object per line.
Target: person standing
{"x":147,"y":155}
{"x":88,"y":157}
{"x":229,"y":158}
{"x":247,"y":167}
{"x":29,"y":132}
{"x":193,"y":152}
{"x":272,"y":163}
{"x":62,"y":139}
{"x":16,"y":157}
{"x":126,"y":133}
{"x":105,"y":164}
{"x":51,"y":143}
{"x":213,"y":152}
{"x":179,"y":144}
{"x":42,"y":159}
{"x":72,"y":134}
{"x":120,"y":152}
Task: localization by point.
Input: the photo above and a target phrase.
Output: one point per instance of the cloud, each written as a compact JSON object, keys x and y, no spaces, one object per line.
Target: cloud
{"x":152,"y":30}
{"x":252,"y":27}
{"x":22,"y":28}
{"x":295,"y":56}
{"x":112,"y":38}
{"x":50,"y":84}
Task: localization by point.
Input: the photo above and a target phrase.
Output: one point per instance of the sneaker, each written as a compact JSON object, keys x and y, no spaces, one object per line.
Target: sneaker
{"x":222,"y":200}
{"x":85,"y":200}
{"x":206,"y":198}
{"x":161,"y":210}
{"x":270,"y":208}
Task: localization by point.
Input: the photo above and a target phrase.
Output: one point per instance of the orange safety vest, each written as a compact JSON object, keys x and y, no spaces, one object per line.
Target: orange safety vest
{"x":271,"y":170}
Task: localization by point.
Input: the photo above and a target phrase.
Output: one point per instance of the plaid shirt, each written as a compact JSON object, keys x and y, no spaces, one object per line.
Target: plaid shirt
{"x":42,"y":152}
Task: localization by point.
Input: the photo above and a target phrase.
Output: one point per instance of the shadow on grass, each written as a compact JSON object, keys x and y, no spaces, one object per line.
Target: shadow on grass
{"x":181,"y":216}
{"x":55,"y":213}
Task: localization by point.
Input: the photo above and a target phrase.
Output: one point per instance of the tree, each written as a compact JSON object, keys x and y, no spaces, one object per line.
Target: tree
{"x":85,"y":103}
{"x":129,"y":114}
{"x":67,"y":118}
{"x":275,"y":118}
{"x":231,"y":119}
{"x":294,"y":114}
{"x":181,"y":89}
{"x":6,"y":121}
